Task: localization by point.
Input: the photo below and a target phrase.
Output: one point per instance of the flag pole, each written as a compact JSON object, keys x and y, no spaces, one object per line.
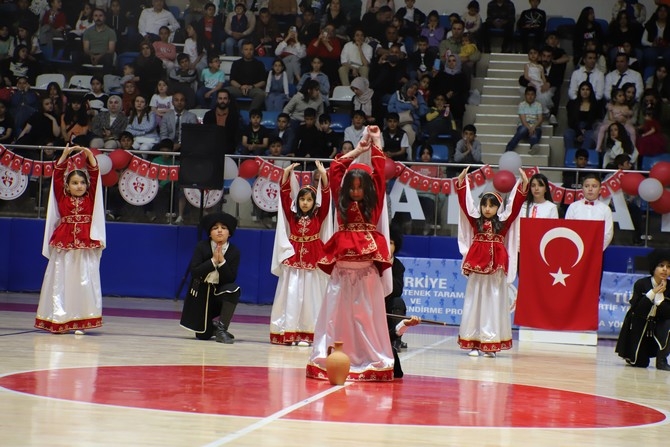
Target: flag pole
{"x":404,"y":317}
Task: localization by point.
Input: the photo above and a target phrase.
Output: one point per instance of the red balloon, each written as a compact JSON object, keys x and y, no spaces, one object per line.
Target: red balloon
{"x":95,"y":151}
{"x":120,"y":158}
{"x":389,"y":168}
{"x":248,"y":169}
{"x":661,"y":172}
{"x":110,"y":178}
{"x":662,"y":205}
{"x":630,"y":182}
{"x":504,"y":181}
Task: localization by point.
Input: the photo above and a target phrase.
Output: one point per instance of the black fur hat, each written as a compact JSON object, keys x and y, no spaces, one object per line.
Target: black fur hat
{"x":656,"y":257}
{"x":210,"y":220}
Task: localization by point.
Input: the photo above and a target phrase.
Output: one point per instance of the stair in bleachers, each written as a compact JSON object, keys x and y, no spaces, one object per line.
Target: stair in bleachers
{"x":496,"y":116}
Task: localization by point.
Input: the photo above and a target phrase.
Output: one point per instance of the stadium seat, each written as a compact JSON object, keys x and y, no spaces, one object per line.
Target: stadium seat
{"x":342,"y":93}
{"x":556,"y":24}
{"x":199,"y":113}
{"x":245,"y":117}
{"x":80,"y":82}
{"x":267,"y":61}
{"x":339,"y":122}
{"x":650,"y":160}
{"x":127,"y":57}
{"x":269,"y":120}
{"x":45,"y":79}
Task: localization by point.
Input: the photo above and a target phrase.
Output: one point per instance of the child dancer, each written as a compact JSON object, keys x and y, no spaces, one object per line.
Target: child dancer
{"x":489,"y":265}
{"x":74,"y":237}
{"x":298,"y":246}
{"x":356,"y":257}
{"x":213,"y":295}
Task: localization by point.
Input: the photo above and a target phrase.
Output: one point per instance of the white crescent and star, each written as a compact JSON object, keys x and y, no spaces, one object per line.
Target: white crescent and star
{"x":561,"y":233}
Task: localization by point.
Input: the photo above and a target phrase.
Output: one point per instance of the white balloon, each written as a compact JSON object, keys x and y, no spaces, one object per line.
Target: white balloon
{"x":229,"y":169}
{"x":240,"y":190}
{"x":510,"y":161}
{"x":104,"y":163}
{"x":650,"y":189}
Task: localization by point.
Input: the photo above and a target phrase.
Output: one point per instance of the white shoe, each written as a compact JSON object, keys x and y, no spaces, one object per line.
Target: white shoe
{"x":303,"y":343}
{"x":473,"y":353}
{"x":490,"y":355}
{"x":552,"y":120}
{"x":179,"y":220}
{"x":79,"y":332}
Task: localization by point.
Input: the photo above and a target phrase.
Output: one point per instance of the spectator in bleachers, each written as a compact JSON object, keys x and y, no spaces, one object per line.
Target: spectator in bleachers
{"x":339,"y":19}
{"x":117,"y":20}
{"x":23,"y":16}
{"x":659,"y":81}
{"x":618,"y":142}
{"x":586,"y":28}
{"x":148,"y":69}
{"x":601,"y":60}
{"x":584,"y":113}
{"x":309,"y":27}
{"x":98,"y":44}
{"x":636,"y":11}
{"x":651,"y":101}
{"x":74,"y":122}
{"x":151,"y":20}
{"x":20,"y":65}
{"x":53,"y":23}
{"x":165,"y":50}
{"x":472,"y":19}
{"x":355,"y":58}
{"x":291,"y":51}
{"x":183,"y":78}
{"x":5,"y":42}
{"x":554,"y":79}
{"x":130,"y":92}
{"x":656,"y":36}
{"x":573,"y":179}
{"x":411,"y":107}
{"x":227,"y":116}
{"x":266,"y":33}
{"x":587,"y":73}
{"x":391,"y":37}
{"x":621,"y":30}
{"x":247,"y":77}
{"x":285,"y":133}
{"x":84,"y":21}
{"x":58,"y":97}
{"x":24,"y":102}
{"x":388,"y":75}
{"x":346,"y":147}
{"x":560,"y":57}
{"x":633,"y":61}
{"x":170,"y":126}
{"x":194,"y":47}
{"x":255,"y":136}
{"x":412,"y":19}
{"x":363,"y":95}
{"x":330,"y":140}
{"x":354,"y":132}
{"x":629,"y":91}
{"x":328,"y":48}
{"x":376,"y":23}
{"x":309,"y":97}
{"x":95,"y":99}
{"x":440,"y":120}
{"x":107,"y":126}
{"x":618,"y":111}
{"x":621,"y":75}
{"x":374,"y":5}
{"x":276,"y":87}
{"x":500,"y":17}
{"x":308,"y":139}
{"x":212,"y":81}
{"x":531,"y":25}
{"x":453,"y":44}
{"x":454,"y":85}
{"x":239,"y":27}
{"x":651,"y":140}
{"x":284,"y":11}
{"x":422,"y":61}
{"x":6,"y":124}
{"x":530,"y":122}
{"x":42,"y":128}
{"x":432,"y":30}
{"x":195,"y":11}
{"x":142,"y":125}
{"x":396,"y":143}
{"x":209,"y":30}
{"x":468,"y":149}
{"x":317,"y":75}
{"x":161,"y":100}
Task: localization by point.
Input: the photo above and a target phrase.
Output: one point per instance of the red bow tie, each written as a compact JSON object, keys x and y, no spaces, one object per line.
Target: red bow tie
{"x":586,"y":202}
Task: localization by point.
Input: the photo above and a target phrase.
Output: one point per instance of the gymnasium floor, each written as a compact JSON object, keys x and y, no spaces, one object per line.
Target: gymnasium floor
{"x":141,"y":380}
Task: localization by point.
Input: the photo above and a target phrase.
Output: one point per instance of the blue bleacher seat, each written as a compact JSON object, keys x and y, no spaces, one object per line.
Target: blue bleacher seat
{"x":176,"y":12}
{"x":445,"y":22}
{"x":604,"y":25}
{"x":648,"y":73}
{"x":269,"y":120}
{"x":340,"y":121}
{"x":267,"y":61}
{"x":128,"y":57}
{"x":245,"y":117}
{"x":292,"y":89}
{"x":553,"y":23}
{"x":569,"y":160}
{"x":650,"y":160}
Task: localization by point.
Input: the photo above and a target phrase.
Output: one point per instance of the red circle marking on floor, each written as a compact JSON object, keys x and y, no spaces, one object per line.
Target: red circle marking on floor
{"x":260,"y":392}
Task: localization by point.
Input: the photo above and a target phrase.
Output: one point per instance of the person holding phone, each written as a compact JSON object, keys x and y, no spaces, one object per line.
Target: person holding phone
{"x":328,"y":48}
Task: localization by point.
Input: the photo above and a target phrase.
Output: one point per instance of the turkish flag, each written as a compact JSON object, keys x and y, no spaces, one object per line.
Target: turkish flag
{"x":37,"y":169}
{"x":174,"y":173}
{"x":405,"y":176}
{"x":48,"y":168}
{"x":163,"y":173}
{"x":27,"y":166}
{"x":559,"y":274}
{"x":487,"y":171}
{"x":7,"y":158}
{"x":478,"y":177}
{"x":153,"y":171}
{"x":446,"y":186}
{"x":557,"y":192}
{"x":134,"y":165}
{"x":531,"y":171}
{"x":569,"y":196}
{"x":614,"y":182}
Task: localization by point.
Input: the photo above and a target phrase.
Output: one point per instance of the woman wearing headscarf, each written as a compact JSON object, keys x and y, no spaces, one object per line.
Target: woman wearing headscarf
{"x":409,"y":104}
{"x":148,"y":69}
{"x":454,"y":85}
{"x":362,"y":99}
{"x":646,"y":326}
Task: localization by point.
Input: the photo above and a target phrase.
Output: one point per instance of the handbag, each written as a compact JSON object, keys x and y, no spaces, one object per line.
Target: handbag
{"x":405,"y":117}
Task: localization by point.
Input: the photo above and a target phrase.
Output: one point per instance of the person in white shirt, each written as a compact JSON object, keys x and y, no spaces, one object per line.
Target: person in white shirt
{"x":151,"y":20}
{"x":622,"y":75}
{"x":589,"y":72}
{"x":591,"y":208}
{"x":539,"y":204}
{"x":355,"y":58}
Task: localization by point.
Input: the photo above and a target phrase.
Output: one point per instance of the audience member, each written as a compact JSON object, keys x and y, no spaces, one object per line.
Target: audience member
{"x":454,"y":85}
{"x":453,"y":45}
{"x":276,"y":87}
{"x":530,"y":122}
{"x":317,"y":75}
{"x":148,"y":68}
{"x":468,"y":149}
{"x":266,"y":33}
{"x":500,"y":16}
{"x":656,"y":36}
{"x":99,"y":43}
{"x":183,"y":78}
{"x":165,"y":50}
{"x":432,"y":30}
{"x":422,"y":61}
{"x":412,"y":19}
{"x":621,"y":75}
{"x":531,"y":25}
{"x":212,"y":81}
{"x":107,"y":126}
{"x":247,"y":77}
{"x":42,"y":128}
{"x":328,"y":48}
{"x":227,"y":117}
{"x":142,"y":125}
{"x":587,"y":73}
{"x":170,"y":126}
{"x":330,"y":140}
{"x":255,"y":137}
{"x":584,"y":113}
{"x":239,"y":27}
{"x":354,"y":132}
{"x":285,"y":133}
{"x":152,"y":19}
{"x":291,"y":51}
{"x":355,"y":58}
{"x":586,"y":28}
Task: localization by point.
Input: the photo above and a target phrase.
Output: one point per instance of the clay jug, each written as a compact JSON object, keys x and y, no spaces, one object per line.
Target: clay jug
{"x":337,"y":364}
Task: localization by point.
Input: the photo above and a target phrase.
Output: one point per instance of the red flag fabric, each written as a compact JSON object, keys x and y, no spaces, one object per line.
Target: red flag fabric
{"x":16,"y":163}
{"x":174,"y":173}
{"x":604,"y":191}
{"x":48,"y":168}
{"x":488,"y":172}
{"x":37,"y":169}
{"x":27,"y":166}
{"x":478,"y":177}
{"x":153,"y":171}
{"x":531,"y":171}
{"x":614,"y":182}
{"x":7,"y":158}
{"x":569,"y":196}
{"x":162,"y":173}
{"x":143,"y":170}
{"x":406,"y":176}
{"x":557,"y":192}
{"x":446,"y":186}
{"x":579,"y":195}
{"x":559,"y":274}
{"x":134,"y":164}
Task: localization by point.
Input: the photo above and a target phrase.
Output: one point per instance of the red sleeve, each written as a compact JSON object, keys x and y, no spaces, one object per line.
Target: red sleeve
{"x":337,"y":169}
{"x":519,"y":198}
{"x":312,"y":50}
{"x":461,"y":191}
{"x":93,"y":174}
{"x":59,"y":180}
{"x":378,"y":174}
{"x":286,"y":198}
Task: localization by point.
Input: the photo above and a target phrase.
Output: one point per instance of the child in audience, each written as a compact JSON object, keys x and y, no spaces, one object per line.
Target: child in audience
{"x":285,"y":133}
{"x":276,"y":87}
{"x":256,"y":137}
{"x":472,"y":19}
{"x":330,"y":140}
{"x":165,"y":50}
{"x":618,"y":142}
{"x":212,"y":81}
{"x":183,"y":78}
{"x":354,"y":133}
{"x":651,"y":140}
{"x":468,"y":148}
{"x":396,"y":144}
{"x":161,"y":101}
{"x":308,"y":139}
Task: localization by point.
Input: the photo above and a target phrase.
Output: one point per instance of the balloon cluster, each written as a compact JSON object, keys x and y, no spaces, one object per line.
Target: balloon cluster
{"x":111,"y":164}
{"x":504,"y":180}
{"x":651,"y":189}
{"x":240,"y":188}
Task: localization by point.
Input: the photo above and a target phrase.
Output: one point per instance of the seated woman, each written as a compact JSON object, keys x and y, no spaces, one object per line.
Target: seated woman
{"x":646,"y":327}
{"x":42,"y":128}
{"x":213,"y":295}
{"x":410,"y":106}
{"x":584,"y":113}
{"x":106,"y":126}
{"x":142,"y":125}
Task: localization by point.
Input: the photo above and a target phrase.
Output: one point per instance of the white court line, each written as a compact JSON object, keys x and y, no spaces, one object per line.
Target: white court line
{"x":279,"y":414}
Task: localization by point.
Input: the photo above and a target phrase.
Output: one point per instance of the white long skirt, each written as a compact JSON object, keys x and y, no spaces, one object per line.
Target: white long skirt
{"x":486,"y":323}
{"x":353,"y":312}
{"x":71,"y":295}
{"x":296,"y":305}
